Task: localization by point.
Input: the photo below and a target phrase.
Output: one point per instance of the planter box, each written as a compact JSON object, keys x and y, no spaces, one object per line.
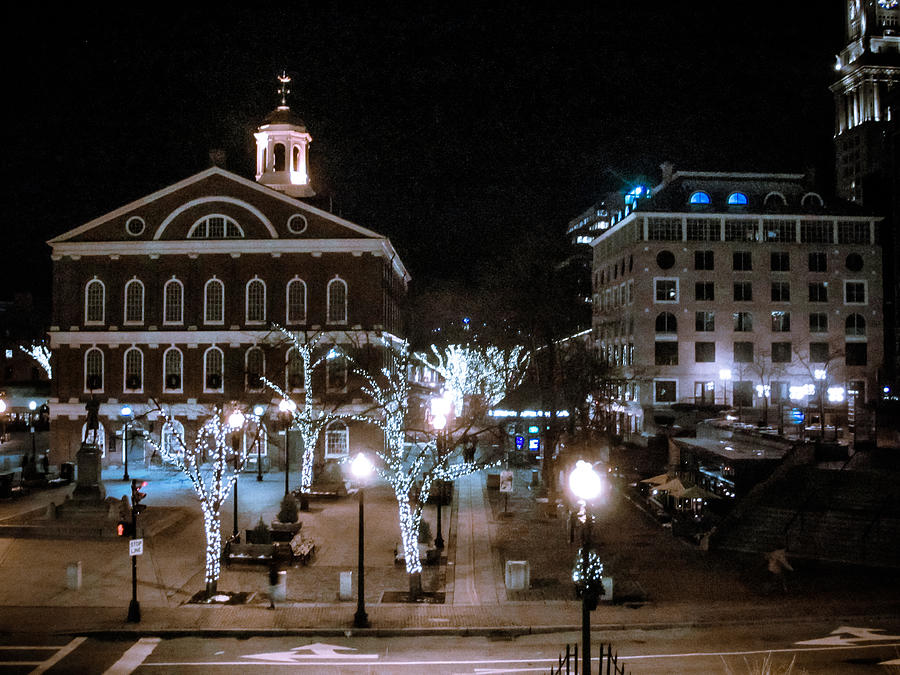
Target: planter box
{"x":493,"y":481}
{"x":285,"y":531}
{"x":252,"y":553}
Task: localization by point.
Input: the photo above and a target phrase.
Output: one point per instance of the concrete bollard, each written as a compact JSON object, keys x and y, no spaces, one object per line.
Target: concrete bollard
{"x":73,"y":576}
{"x":346,"y":586}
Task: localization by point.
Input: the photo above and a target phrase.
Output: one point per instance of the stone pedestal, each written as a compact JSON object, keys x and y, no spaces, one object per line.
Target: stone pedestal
{"x":88,"y":484}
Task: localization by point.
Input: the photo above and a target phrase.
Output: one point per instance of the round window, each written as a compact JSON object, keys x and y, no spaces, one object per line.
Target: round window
{"x":297,"y":223}
{"x":135,"y":226}
{"x":665,"y":259}
{"x":854,"y":262}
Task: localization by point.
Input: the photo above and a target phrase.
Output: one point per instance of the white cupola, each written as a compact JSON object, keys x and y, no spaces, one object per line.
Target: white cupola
{"x":282,"y":146}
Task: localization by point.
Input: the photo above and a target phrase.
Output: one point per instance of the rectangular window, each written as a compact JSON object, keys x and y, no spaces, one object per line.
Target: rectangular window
{"x":741,"y":230}
{"x":705,"y":352}
{"x":855,"y":292}
{"x":703,"y":260}
{"x":742,"y":261}
{"x":817,"y":232}
{"x":818,"y":352}
{"x":743,"y":352}
{"x":703,"y":229}
{"x":705,"y":321}
{"x":818,"y":262}
{"x":853,"y":233}
{"x":818,"y":322}
{"x":778,"y":391}
{"x":743,"y":291}
{"x":743,"y":322}
{"x":666,"y":290}
{"x":630,"y":291}
{"x":818,"y":291}
{"x":781,"y":352}
{"x":664,"y":229}
{"x":704,"y":290}
{"x":780,"y":230}
{"x":667,"y":353}
{"x":781,"y":322}
{"x":665,"y":391}
{"x":780,"y":261}
{"x":743,"y":393}
{"x":856,"y":353}
{"x":781,"y":291}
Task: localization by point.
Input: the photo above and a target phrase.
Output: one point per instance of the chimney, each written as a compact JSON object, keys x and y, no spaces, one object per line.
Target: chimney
{"x":668,"y":170}
{"x":217,"y":157}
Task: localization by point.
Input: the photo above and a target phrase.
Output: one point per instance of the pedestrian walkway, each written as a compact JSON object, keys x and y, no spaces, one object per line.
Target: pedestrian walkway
{"x":474,"y":559}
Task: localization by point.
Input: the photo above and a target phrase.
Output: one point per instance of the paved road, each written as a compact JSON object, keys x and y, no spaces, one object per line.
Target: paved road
{"x":814,"y":646}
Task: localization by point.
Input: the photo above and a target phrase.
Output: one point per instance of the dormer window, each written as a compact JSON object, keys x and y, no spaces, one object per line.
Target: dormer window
{"x":737,"y":199}
{"x":700,"y":197}
{"x":216,"y":227}
{"x":812,"y":199}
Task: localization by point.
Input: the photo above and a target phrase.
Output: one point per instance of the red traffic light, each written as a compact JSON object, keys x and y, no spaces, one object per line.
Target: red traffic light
{"x":124,"y":529}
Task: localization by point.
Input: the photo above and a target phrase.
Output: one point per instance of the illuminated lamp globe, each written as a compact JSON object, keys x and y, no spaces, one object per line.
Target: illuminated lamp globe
{"x":32,"y":405}
{"x":287,"y":405}
{"x":236,"y":419}
{"x":125,"y":411}
{"x":258,"y":410}
{"x":438,"y":422}
{"x":361,"y":466}
{"x":585,"y":483}
{"x":2,"y":406}
{"x":440,"y":406}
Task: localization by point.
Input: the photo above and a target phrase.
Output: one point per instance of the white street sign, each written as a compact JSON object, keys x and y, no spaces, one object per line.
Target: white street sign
{"x":317,"y":650}
{"x":136,"y":547}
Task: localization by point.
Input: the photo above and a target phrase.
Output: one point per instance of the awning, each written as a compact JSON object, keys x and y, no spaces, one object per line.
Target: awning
{"x":695,"y":492}
{"x":657,"y":480}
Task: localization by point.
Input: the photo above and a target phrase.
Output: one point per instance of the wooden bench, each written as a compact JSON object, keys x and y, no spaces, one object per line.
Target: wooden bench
{"x":303,"y":548}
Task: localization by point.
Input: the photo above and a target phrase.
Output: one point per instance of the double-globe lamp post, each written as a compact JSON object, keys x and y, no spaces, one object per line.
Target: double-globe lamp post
{"x":126,"y":412}
{"x":441,"y":409}
{"x":361,"y":467}
{"x":236,"y":422}
{"x":258,"y":411}
{"x":286,"y":407}
{"x":587,"y":485}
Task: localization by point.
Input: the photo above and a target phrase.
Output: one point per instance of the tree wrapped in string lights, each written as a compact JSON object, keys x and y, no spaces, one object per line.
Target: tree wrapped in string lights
{"x":41,"y":354}
{"x":212,"y":464}
{"x":309,"y":416}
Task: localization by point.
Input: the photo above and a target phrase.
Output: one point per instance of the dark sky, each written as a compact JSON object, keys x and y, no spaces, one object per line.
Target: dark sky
{"x":449,"y":130}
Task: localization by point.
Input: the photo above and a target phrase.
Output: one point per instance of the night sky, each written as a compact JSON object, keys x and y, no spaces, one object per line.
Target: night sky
{"x":449,"y":130}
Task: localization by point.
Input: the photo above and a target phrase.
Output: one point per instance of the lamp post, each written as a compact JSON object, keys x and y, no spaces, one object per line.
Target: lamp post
{"x":3,"y":408}
{"x":361,"y":468}
{"x":287,"y":407}
{"x":126,"y":413}
{"x":725,"y":375}
{"x":258,"y":411}
{"x":441,"y":409}
{"x":587,"y":485}
{"x":819,"y":374}
{"x":236,"y":422}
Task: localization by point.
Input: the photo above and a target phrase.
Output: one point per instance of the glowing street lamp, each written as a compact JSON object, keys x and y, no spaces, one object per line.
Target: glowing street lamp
{"x":441,"y":410}
{"x":587,"y":485}
{"x":258,"y":411}
{"x":126,"y":412}
{"x":236,"y":421}
{"x":361,"y":467}
{"x":3,"y":408}
{"x":287,"y":408}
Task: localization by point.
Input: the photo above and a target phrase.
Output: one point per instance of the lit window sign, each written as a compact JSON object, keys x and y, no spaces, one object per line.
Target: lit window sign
{"x":534,"y":444}
{"x":520,"y":442}
{"x":534,"y":429}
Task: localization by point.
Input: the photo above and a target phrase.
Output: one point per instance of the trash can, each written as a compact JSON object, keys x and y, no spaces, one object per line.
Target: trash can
{"x":67,"y":471}
{"x":346,"y":586}
{"x":517,"y":575}
{"x":73,"y":576}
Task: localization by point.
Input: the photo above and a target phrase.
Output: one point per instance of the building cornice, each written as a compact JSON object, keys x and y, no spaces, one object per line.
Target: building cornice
{"x":165,"y":338}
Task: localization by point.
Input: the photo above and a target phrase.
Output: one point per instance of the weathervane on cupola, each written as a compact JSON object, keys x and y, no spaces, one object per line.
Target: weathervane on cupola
{"x":282,"y":143}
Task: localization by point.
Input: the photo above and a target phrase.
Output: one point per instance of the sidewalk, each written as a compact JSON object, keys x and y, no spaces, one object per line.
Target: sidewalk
{"x":663,"y":581}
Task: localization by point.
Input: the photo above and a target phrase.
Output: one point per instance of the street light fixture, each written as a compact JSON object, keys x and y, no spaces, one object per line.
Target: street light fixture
{"x":126,"y":412}
{"x":587,"y":486}
{"x":287,"y":408}
{"x":258,"y":411}
{"x":361,"y":467}
{"x":441,"y":410}
{"x":3,"y":408}
{"x":236,"y":422}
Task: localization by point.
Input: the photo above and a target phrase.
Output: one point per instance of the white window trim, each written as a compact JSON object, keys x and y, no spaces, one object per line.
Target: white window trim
{"x":102,"y":370}
{"x":346,"y":432}
{"x":204,"y":221}
{"x":677,"y":291}
{"x":255,"y":322}
{"x":125,"y":388}
{"x":339,"y":322}
{"x":133,"y":322}
{"x":664,"y":379}
{"x":132,"y":220}
{"x":221,"y":321}
{"x":287,"y":374}
{"x":206,"y":389}
{"x":865,"y":291}
{"x":247,"y":369}
{"x":166,"y":321}
{"x":102,"y":321}
{"x":287,"y":301}
{"x":180,"y":389}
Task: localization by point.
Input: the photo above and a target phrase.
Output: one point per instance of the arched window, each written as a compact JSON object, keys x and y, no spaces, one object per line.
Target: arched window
{"x":812,"y":199}
{"x":93,"y":370}
{"x":336,"y":371}
{"x":296,"y":301}
{"x":666,"y":323}
{"x":213,"y":370}
{"x":94,"y":302}
{"x":296,"y":161}
{"x":337,"y":301}
{"x":134,"y":370}
{"x":173,"y":302}
{"x":96,"y":436}
{"x":265,"y":160}
{"x":215,"y":227}
{"x":256,"y":301}
{"x":172,"y":370}
{"x":172,"y":441}
{"x":293,"y":371}
{"x":775,"y":199}
{"x":337,"y":440}
{"x":700,"y":197}
{"x":214,"y":301}
{"x":279,"y":154}
{"x":134,"y":302}
{"x":855,"y":326}
{"x":737,"y":199}
{"x":255,"y":369}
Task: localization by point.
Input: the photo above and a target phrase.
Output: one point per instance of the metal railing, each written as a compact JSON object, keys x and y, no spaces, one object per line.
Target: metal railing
{"x":568,"y":664}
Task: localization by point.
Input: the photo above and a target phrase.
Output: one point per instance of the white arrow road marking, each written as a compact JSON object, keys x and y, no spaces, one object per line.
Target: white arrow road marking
{"x":836,"y":638}
{"x":317,"y":650}
{"x":895,"y":662}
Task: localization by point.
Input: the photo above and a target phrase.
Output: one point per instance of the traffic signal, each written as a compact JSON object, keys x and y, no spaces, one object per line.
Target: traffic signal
{"x":124,"y":528}
{"x":137,"y":495}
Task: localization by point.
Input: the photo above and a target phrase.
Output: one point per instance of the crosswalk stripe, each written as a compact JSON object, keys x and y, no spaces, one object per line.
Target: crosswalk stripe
{"x":133,"y":657}
{"x":58,"y":656}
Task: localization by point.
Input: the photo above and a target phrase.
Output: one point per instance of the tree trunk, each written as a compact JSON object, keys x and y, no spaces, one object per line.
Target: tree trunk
{"x":306,"y":474}
{"x":213,"y":525}
{"x":409,"y":531}
{"x":415,"y":585}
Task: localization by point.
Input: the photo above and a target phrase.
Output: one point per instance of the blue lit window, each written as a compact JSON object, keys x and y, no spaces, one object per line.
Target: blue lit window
{"x":737,"y":199}
{"x":700,"y":197}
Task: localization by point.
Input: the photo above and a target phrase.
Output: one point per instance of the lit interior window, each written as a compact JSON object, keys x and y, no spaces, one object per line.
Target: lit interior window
{"x":700,"y":197}
{"x":737,"y":199}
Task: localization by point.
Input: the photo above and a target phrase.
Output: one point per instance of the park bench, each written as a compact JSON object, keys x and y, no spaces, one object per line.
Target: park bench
{"x":303,"y":548}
